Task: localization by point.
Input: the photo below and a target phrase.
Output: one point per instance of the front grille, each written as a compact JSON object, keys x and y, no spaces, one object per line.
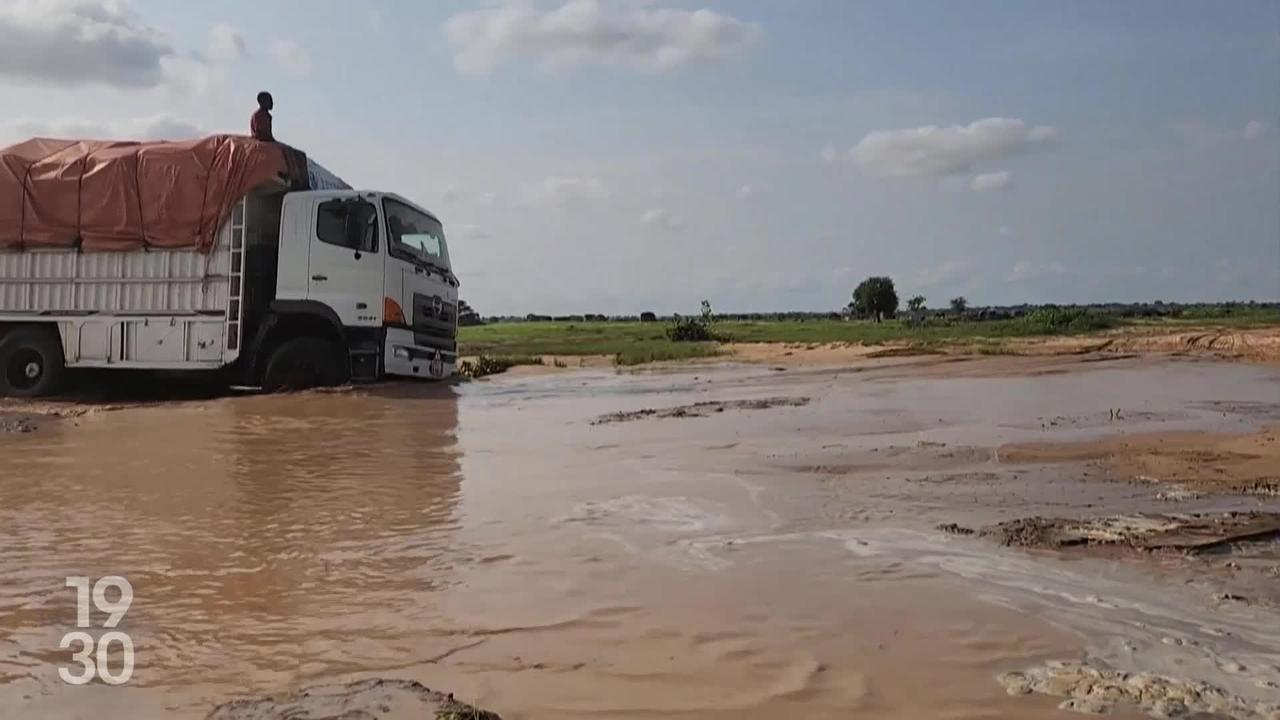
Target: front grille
{"x":435,"y":322}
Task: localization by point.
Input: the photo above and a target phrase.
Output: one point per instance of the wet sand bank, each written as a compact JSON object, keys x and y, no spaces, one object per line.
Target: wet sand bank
{"x":1177,"y":462}
{"x":1255,"y":345}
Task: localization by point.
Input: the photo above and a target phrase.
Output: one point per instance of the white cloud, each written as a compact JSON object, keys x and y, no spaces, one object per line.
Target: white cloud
{"x":1255,"y":129}
{"x":942,"y":274}
{"x":830,"y":154}
{"x":991,"y":181}
{"x":468,"y":232}
{"x":1205,"y":134}
{"x":1199,"y":131}
{"x":155,"y":127}
{"x":580,"y":32}
{"x":80,"y":42}
{"x":291,"y":56}
{"x":560,"y":191}
{"x":1027,"y":270}
{"x":191,"y":75}
{"x":934,"y":150}
{"x":746,"y":192}
{"x":226,"y":44}
{"x":1004,"y":230}
{"x":661,"y":218}
{"x":455,"y":194}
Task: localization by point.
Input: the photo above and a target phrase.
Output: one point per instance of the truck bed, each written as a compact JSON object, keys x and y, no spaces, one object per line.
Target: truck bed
{"x":157,"y":282}
{"x":177,"y":309}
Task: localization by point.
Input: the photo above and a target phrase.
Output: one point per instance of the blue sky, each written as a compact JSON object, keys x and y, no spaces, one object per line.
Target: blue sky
{"x":627,"y":155}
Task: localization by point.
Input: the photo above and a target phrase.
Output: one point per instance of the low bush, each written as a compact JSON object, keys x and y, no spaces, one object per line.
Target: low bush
{"x":1055,"y":320}
{"x":690,"y":329}
{"x":695,"y":329}
{"x":493,"y":365}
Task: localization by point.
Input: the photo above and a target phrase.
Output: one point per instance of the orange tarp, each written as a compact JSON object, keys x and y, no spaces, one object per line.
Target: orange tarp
{"x":107,"y":195}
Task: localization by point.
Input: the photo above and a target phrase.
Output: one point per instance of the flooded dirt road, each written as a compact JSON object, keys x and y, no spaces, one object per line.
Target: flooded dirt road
{"x":761,"y":560}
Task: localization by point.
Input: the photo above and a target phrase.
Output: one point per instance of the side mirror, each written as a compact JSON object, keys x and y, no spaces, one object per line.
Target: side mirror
{"x":353,"y":230}
{"x":358,"y":216}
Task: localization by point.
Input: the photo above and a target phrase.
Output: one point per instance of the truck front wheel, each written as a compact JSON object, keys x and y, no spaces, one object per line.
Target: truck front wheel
{"x":31,"y":362}
{"x":304,"y":362}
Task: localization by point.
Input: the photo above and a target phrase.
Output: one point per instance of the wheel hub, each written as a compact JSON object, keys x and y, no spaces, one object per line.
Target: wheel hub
{"x":24,"y":369}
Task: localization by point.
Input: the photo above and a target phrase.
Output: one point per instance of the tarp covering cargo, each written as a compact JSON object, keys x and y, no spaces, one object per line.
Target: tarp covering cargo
{"x":107,"y":195}
{"x":319,"y":177}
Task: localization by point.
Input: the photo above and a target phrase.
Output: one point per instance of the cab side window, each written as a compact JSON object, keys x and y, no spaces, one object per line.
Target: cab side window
{"x":348,"y":223}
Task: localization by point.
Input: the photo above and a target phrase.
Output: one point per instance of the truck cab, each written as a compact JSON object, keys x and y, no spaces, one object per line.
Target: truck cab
{"x":377,"y":267}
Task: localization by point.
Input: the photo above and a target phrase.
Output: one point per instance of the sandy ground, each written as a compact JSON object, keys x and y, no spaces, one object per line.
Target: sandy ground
{"x":362,"y":700}
{"x":1260,"y":345}
{"x":1093,"y":690}
{"x":1176,"y":462}
{"x":1190,"y":532}
{"x":814,"y":354}
{"x":1253,"y":345}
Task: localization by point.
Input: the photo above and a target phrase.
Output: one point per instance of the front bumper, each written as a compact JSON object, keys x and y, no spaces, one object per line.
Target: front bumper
{"x":401,"y":357}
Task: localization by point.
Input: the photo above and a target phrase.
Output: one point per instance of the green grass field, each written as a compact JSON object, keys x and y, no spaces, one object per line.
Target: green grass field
{"x":1241,"y":319}
{"x":636,"y":342}
{"x":632,"y":343}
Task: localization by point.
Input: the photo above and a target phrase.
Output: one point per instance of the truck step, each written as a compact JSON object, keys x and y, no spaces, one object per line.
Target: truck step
{"x":364,"y":365}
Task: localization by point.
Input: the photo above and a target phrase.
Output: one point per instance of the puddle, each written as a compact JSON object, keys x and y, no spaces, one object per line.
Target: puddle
{"x":491,"y":541}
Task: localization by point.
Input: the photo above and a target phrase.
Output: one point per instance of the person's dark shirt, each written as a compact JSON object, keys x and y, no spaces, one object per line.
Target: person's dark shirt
{"x":260,"y":125}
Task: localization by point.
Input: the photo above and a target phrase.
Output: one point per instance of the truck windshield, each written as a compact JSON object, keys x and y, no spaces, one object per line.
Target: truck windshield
{"x":415,"y":236}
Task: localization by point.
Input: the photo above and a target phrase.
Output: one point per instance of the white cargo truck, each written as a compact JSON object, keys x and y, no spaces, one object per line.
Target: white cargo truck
{"x":298,"y":289}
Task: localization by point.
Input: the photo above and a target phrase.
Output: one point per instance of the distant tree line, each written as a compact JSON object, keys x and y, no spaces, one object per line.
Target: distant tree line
{"x":876,"y":298}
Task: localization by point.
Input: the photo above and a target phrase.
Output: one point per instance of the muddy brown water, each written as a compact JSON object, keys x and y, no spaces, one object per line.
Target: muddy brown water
{"x":491,"y":541}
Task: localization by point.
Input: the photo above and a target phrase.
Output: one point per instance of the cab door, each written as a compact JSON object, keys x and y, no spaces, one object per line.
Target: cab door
{"x":345,"y":266}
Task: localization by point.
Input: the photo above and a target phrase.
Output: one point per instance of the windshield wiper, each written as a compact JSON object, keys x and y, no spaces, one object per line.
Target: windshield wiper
{"x":429,"y":266}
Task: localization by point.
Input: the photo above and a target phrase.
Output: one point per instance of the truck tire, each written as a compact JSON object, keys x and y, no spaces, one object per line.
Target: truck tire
{"x":31,"y":362}
{"x":304,"y":362}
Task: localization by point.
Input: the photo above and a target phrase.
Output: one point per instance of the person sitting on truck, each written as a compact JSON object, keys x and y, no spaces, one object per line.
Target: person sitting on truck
{"x":260,"y":123}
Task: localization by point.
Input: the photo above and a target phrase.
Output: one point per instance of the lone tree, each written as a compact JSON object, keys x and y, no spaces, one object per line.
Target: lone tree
{"x":959,"y":305}
{"x":468,"y":316}
{"x":916,"y":304}
{"x":875,"y":298}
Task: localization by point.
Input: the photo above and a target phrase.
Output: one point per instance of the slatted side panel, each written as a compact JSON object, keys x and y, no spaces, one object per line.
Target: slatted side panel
{"x":157,"y":282}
